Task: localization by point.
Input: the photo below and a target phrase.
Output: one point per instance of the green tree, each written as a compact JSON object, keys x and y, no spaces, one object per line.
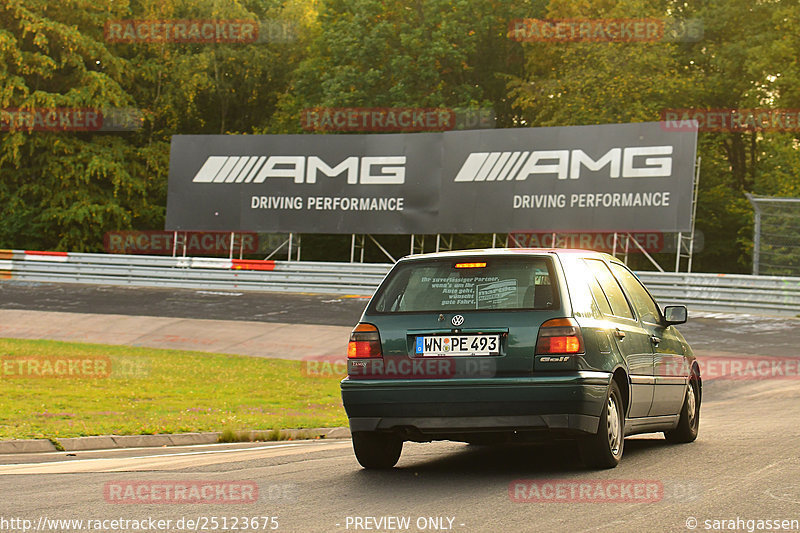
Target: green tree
{"x":65,"y":189}
{"x":608,"y":82}
{"x":425,"y":53}
{"x":61,"y":189}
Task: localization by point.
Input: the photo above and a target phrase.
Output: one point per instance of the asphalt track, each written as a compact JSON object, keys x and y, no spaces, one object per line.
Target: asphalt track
{"x":326,"y":309}
{"x":252,"y":323}
{"x":745,"y":465}
{"x":288,"y":326}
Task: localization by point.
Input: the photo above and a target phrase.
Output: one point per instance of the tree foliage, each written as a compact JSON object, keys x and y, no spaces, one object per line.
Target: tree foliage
{"x":64,"y":189}
{"x":744,"y":59}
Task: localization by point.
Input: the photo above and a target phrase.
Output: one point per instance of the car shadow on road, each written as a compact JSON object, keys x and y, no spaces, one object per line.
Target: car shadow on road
{"x":499,"y":463}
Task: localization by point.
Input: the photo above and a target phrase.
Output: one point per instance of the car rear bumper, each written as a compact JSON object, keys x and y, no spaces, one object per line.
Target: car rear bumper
{"x":571,"y":402}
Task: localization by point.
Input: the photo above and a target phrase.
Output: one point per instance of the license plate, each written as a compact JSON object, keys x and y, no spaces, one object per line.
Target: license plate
{"x":443,"y":345}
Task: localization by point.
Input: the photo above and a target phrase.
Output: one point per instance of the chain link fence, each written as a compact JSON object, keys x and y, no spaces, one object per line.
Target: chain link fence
{"x":776,"y":237}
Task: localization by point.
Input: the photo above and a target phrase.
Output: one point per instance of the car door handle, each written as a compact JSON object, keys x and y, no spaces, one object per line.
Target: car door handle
{"x":618,"y":333}
{"x":655,"y":340}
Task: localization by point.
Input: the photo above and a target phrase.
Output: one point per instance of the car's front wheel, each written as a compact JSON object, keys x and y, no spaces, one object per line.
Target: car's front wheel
{"x":689,"y":421}
{"x":377,"y":450}
{"x":604,"y":448}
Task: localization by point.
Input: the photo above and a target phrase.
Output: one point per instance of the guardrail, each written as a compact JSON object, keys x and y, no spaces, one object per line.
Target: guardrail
{"x":191,"y":272}
{"x":720,"y":292}
{"x":726,"y":292}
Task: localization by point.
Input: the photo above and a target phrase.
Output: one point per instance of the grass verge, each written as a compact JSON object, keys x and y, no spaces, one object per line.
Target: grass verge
{"x":140,"y":391}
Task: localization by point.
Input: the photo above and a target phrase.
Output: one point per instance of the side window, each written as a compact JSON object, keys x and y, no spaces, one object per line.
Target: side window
{"x":599,"y":295}
{"x":580,"y":293}
{"x":642,"y":301}
{"x":616,"y":298}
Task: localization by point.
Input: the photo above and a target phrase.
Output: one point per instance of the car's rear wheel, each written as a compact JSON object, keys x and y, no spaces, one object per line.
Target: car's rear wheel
{"x":689,"y":421}
{"x":377,"y":450}
{"x":604,"y":448}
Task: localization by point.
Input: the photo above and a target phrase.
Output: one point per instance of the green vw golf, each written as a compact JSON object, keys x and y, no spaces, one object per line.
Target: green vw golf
{"x":499,"y":345}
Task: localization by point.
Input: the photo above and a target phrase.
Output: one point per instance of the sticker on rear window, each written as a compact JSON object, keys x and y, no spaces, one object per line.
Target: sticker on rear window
{"x":436,"y":285}
{"x":497,"y":294}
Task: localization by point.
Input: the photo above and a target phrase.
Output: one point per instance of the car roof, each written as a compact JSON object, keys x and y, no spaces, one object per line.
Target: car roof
{"x":508,"y":252}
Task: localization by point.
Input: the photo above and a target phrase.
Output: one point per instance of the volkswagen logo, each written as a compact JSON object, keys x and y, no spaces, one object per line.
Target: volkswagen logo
{"x":458,"y":320}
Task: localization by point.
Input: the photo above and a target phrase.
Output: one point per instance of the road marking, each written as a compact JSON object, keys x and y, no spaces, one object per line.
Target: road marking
{"x":7,"y":456}
{"x":169,"y":461}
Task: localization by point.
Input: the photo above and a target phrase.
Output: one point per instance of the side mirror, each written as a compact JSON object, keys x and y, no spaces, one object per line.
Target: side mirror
{"x":675,"y":314}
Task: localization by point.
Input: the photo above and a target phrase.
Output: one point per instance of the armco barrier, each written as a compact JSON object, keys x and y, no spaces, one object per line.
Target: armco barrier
{"x":720,"y":292}
{"x":191,"y":272}
{"x":726,"y":292}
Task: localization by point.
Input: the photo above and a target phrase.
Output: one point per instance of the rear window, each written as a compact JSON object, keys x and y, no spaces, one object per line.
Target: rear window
{"x":468,"y":284}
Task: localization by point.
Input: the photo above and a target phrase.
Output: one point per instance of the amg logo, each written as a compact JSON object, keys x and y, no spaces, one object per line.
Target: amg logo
{"x":632,"y":162}
{"x":367,"y":170}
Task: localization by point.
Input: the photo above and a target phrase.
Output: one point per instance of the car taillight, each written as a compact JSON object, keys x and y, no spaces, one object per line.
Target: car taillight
{"x":559,"y":336}
{"x":365,"y":341}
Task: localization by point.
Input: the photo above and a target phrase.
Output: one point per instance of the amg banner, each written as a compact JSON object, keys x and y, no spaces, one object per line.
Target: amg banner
{"x":618,"y":177}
